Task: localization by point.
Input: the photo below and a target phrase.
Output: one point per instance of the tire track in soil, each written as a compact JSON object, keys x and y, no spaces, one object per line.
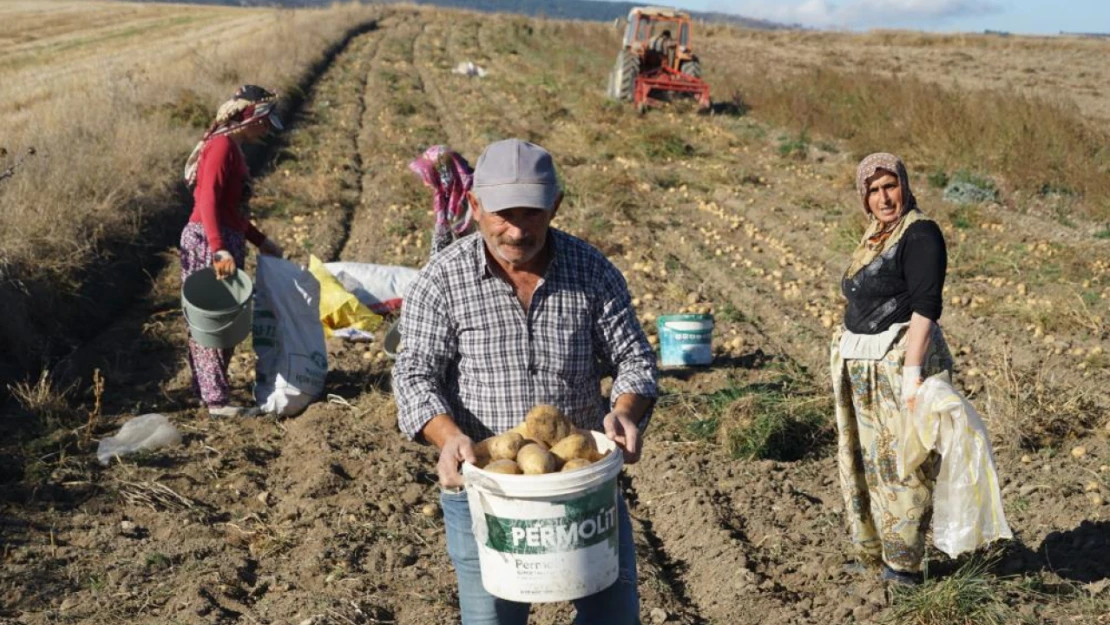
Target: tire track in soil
{"x":429,"y":73}
{"x":350,"y":209}
{"x":387,"y":208}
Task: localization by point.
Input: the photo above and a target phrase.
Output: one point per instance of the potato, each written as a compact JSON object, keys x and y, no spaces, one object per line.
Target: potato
{"x":505,"y":446}
{"x":575,"y":464}
{"x":547,"y":425}
{"x":535,"y":460}
{"x":529,"y":441}
{"x":577,"y":445}
{"x":508,"y":467}
{"x":481,"y":453}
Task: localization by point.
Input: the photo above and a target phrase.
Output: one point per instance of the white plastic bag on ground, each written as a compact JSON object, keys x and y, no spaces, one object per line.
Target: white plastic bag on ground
{"x":288,"y":338}
{"x":150,"y":431}
{"x":967,"y":500}
{"x":379,"y":287}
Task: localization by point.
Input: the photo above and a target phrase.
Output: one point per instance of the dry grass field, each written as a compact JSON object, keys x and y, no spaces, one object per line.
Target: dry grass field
{"x":100,"y":101}
{"x":331,"y":517}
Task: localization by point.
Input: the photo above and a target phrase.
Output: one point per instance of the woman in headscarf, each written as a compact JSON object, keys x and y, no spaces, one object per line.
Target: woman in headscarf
{"x":220,"y":225}
{"x":449,"y":177}
{"x":889,"y":343}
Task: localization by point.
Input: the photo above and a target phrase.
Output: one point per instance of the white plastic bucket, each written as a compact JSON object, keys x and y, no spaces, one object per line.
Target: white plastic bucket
{"x":219,"y":312}
{"x":551,"y":537}
{"x":686,"y":340}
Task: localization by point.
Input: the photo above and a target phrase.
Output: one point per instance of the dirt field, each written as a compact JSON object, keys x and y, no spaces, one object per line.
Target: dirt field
{"x":331,"y":517}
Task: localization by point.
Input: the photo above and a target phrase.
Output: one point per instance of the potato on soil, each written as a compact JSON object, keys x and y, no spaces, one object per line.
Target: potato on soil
{"x":508,"y":467}
{"x":577,"y":445}
{"x":505,"y":446}
{"x":547,"y":425}
{"x":575,"y":464}
{"x":535,"y":460}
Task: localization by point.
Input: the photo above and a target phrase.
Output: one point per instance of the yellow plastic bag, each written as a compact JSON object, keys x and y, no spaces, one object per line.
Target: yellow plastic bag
{"x":339,"y":308}
{"x":967,"y":501}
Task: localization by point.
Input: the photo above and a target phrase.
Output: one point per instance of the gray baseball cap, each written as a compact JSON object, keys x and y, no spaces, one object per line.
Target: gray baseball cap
{"x":515,"y":174}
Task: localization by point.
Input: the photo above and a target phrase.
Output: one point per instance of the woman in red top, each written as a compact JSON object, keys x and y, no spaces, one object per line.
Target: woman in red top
{"x":219,"y":227}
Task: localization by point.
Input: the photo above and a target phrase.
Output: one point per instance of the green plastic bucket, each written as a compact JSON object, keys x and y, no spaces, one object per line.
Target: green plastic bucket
{"x":686,"y":340}
{"x":391,"y":344}
{"x":218,"y":312}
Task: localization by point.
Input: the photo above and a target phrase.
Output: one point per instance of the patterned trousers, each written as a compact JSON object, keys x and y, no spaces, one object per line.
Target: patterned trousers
{"x":209,"y":366}
{"x":887,"y":516}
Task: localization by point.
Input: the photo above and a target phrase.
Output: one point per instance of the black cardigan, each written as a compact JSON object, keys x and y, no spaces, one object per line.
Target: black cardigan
{"x":905,"y":279}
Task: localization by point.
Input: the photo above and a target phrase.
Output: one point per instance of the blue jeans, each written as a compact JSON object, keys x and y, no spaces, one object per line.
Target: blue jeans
{"x":618,"y":604}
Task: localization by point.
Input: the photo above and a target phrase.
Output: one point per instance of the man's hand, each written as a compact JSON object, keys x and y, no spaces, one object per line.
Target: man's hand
{"x":621,"y":428}
{"x":456,"y":450}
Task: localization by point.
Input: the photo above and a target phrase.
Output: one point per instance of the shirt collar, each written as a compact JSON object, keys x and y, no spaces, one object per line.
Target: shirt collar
{"x":482,"y":267}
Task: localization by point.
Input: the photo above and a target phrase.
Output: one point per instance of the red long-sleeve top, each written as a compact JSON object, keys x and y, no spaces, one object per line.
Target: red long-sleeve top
{"x":221,"y":173}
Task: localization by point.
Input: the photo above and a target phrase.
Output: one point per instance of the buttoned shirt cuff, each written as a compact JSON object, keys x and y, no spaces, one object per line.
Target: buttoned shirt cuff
{"x":419,"y":415}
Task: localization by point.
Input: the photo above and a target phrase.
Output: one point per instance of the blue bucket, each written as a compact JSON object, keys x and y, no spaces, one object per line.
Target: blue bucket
{"x":686,"y":340}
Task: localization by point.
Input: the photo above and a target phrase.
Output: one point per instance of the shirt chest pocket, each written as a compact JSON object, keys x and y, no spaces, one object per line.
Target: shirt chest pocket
{"x":564,"y":346}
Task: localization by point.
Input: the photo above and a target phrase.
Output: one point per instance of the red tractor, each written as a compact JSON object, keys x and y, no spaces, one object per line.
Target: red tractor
{"x":656,"y":58}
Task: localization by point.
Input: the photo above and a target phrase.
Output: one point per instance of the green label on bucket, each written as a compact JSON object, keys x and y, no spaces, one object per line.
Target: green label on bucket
{"x":589,"y":520}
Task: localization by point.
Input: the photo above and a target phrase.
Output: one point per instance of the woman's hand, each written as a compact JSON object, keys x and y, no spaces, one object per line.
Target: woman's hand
{"x":270,"y":248}
{"x":224,"y":264}
{"x":911,"y":381}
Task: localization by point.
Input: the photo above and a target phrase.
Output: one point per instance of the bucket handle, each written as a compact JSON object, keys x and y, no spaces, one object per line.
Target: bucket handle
{"x":214,"y":331}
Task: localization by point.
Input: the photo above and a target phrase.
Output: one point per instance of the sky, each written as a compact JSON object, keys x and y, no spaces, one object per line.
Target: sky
{"x":1036,"y":17}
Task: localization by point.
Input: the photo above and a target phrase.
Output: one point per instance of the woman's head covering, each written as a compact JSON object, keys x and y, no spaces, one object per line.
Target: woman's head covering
{"x":880,"y":237}
{"x":449,"y":176}
{"x":882,"y":161}
{"x":250,"y":105}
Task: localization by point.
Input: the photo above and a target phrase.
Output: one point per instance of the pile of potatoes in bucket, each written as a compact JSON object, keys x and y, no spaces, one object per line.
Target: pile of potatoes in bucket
{"x":547,"y":442}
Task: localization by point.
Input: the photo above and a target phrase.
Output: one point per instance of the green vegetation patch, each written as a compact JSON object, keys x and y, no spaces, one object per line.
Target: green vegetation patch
{"x":970,"y":596}
{"x":783,"y":420}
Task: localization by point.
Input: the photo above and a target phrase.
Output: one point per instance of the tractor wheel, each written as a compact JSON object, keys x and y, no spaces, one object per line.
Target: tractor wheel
{"x":691,"y":68}
{"x":622,"y":81}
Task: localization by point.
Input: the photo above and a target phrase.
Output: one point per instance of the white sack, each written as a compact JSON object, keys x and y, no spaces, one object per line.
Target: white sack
{"x":379,"y":287}
{"x":967,"y":500}
{"x":288,"y":338}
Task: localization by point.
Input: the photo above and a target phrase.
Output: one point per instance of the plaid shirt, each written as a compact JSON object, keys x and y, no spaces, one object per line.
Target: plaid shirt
{"x":471,"y":351}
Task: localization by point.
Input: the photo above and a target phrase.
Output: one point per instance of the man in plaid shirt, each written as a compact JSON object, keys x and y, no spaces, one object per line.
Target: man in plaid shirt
{"x":516,"y":315}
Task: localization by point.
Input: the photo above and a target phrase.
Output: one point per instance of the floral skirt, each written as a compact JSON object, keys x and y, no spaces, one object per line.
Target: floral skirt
{"x":887,"y":516}
{"x":209,"y":366}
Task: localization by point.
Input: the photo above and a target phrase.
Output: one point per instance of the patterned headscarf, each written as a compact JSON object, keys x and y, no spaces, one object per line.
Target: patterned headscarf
{"x":450,"y":178}
{"x":881,"y":161}
{"x":880,"y":237}
{"x":250,"y":105}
